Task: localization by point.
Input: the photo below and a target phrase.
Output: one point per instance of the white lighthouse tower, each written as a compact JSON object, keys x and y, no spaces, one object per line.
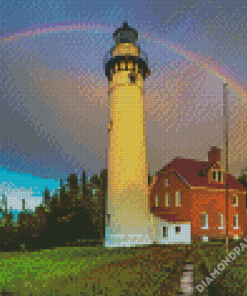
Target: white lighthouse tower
{"x":127,"y":211}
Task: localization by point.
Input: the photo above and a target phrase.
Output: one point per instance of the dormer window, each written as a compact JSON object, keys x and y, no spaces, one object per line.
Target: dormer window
{"x":166,"y":183}
{"x":217,"y":176}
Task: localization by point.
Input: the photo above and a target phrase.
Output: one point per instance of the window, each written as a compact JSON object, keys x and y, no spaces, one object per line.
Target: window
{"x":110,"y":125}
{"x":132,"y":78}
{"x":168,"y":200}
{"x":157,"y":201}
{"x":220,"y":217}
{"x":204,"y":220}
{"x":219,"y":176}
{"x":178,"y":230}
{"x":178,"y":199}
{"x":235,"y":221}
{"x":165,"y":232}
{"x":108,"y":219}
{"x":166,"y":182}
{"x":235,"y":200}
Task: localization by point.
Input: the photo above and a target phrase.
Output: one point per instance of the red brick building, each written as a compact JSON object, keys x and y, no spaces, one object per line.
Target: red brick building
{"x":193,"y":191}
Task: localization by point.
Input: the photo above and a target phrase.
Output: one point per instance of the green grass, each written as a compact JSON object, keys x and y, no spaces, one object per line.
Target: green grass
{"x":114,"y":271}
{"x":68,"y":271}
{"x":210,"y":255}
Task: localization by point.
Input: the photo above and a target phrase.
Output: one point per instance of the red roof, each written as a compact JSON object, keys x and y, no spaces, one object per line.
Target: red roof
{"x":167,"y":214}
{"x":188,"y":170}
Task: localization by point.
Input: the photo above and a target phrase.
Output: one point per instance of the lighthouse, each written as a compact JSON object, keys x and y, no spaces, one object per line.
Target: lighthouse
{"x":128,"y":218}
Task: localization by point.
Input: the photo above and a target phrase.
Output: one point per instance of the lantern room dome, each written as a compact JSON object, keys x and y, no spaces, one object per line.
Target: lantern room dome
{"x":125,"y":34}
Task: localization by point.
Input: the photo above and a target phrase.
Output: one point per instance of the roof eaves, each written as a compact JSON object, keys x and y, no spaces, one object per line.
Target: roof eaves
{"x":182,"y":178}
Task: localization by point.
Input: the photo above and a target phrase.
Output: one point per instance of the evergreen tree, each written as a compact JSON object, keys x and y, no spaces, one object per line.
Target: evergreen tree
{"x":243,"y":180}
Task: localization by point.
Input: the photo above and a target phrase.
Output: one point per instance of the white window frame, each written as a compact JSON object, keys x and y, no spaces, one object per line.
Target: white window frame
{"x":166,"y":183}
{"x":221,"y":221}
{"x":178,"y":199}
{"x":166,"y":232}
{"x":157,"y":200}
{"x":235,"y":204}
{"x":217,"y":176}
{"x":236,"y":227}
{"x":205,"y":227}
{"x":168,"y":200}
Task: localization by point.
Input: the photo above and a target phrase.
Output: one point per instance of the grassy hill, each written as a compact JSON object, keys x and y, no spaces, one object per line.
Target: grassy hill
{"x":151,"y":270}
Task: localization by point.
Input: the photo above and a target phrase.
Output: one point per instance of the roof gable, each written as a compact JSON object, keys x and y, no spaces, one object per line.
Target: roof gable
{"x":195,"y":173}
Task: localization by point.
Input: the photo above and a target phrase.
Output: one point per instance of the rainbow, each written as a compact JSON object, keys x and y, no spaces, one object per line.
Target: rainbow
{"x":224,"y":73}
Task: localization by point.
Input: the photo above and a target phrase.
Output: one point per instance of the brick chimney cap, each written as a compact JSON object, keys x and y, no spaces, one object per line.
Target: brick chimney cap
{"x":214,"y":147}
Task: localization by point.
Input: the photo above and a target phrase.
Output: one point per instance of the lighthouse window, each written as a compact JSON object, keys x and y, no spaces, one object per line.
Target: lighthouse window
{"x":132,"y":78}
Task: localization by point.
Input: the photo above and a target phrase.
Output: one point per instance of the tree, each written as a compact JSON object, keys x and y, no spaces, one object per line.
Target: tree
{"x":5,"y":204}
{"x":243,"y":180}
{"x":46,"y":196}
{"x":83,"y":181}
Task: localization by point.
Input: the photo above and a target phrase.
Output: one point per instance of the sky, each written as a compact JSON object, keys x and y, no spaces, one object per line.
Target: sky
{"x":54,"y":93}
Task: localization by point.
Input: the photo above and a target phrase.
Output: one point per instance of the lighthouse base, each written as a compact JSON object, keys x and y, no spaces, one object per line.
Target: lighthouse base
{"x":113,"y":239}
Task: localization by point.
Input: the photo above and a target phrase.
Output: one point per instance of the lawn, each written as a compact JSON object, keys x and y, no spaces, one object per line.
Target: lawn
{"x":88,"y":271}
{"x":151,"y":270}
{"x":230,"y":281}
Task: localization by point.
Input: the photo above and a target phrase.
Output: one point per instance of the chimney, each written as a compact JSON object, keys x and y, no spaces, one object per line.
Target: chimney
{"x":214,"y":155}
